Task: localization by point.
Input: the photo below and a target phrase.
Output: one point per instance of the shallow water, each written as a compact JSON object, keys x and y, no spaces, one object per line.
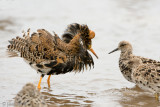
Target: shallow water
{"x":136,"y":21}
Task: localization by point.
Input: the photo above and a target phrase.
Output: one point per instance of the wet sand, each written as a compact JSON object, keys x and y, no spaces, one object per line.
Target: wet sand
{"x":113,"y":21}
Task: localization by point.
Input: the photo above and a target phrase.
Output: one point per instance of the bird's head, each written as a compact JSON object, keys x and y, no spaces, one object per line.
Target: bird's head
{"x":123,"y":46}
{"x":86,"y":35}
{"x":86,"y":38}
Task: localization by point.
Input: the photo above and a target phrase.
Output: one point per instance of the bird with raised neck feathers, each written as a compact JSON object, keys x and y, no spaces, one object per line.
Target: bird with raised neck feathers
{"x":49,"y":54}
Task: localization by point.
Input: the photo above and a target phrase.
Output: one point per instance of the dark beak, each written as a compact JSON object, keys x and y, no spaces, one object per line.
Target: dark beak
{"x":113,"y":51}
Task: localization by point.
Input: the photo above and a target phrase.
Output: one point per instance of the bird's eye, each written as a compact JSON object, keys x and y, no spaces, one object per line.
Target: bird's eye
{"x":130,"y":62}
{"x":123,"y":45}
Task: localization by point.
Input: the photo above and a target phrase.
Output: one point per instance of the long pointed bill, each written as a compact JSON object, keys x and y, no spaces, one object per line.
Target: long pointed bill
{"x":113,"y":51}
{"x":93,"y":52}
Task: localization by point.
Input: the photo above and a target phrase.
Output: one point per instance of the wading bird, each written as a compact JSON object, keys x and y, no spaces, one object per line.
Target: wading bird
{"x":49,"y":54}
{"x":127,"y":54}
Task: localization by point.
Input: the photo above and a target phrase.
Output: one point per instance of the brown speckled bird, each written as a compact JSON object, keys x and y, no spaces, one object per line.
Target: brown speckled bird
{"x":146,"y":76}
{"x":49,"y":54}
{"x":29,"y":97}
{"x":127,"y":54}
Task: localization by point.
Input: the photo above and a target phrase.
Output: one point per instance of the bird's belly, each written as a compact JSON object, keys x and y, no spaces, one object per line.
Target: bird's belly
{"x":154,"y":88}
{"x":44,"y":71}
{"x":145,"y":83}
{"x":146,"y":87}
{"x":40,"y":70}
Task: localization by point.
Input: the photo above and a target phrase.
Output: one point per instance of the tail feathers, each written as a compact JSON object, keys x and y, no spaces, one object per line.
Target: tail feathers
{"x":37,"y":46}
{"x":16,"y":44}
{"x":10,"y":41}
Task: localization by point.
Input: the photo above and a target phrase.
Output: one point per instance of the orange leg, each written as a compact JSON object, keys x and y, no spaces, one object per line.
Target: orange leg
{"x":39,"y":84}
{"x":48,"y":80}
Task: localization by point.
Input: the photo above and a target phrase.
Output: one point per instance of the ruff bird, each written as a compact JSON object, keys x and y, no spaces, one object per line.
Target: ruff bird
{"x":50,"y":55}
{"x":127,"y":54}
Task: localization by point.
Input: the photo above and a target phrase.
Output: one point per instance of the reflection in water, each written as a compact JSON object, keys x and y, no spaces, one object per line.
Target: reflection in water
{"x":125,"y":96}
{"x":65,"y":100}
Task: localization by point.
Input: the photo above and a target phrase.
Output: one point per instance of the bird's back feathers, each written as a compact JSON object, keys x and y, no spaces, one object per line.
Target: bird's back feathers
{"x":48,"y":54}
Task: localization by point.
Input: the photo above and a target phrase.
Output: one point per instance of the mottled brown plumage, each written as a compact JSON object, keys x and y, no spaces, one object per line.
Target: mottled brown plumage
{"x":48,"y":54}
{"x":29,"y":97}
{"x":126,"y":54}
{"x":146,"y":76}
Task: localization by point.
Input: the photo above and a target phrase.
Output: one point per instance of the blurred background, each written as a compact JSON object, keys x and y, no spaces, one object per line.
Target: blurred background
{"x":136,"y":21}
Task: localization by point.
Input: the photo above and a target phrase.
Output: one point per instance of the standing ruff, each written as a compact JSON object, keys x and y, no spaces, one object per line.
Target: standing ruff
{"x":125,"y":56}
{"x":48,"y":54}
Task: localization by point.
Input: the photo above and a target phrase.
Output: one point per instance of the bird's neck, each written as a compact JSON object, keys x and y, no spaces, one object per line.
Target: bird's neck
{"x":126,"y":54}
{"x":75,"y":41}
{"x":74,"y":44}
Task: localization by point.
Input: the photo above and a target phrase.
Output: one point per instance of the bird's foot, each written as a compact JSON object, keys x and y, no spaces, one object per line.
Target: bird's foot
{"x":39,"y":88}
